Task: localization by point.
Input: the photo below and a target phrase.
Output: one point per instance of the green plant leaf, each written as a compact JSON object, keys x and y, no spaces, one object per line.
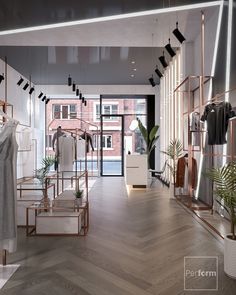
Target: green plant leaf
{"x":174,"y":151}
{"x":152,"y":143}
{"x":143,"y":131}
{"x":42,"y":172}
{"x":224,"y":179}
{"x":153,"y":132}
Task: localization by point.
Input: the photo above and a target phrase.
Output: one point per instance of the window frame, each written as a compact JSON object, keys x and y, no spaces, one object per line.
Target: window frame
{"x":97,"y":142}
{"x":68,"y":111}
{"x":96,"y":116}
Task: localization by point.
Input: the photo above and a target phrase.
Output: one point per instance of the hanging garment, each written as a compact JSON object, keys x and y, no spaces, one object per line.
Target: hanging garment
{"x":8,"y":160}
{"x":89,"y":141}
{"x":81,"y":149}
{"x":66,"y":147}
{"x":194,"y":124}
{"x":182,"y":172}
{"x":56,"y":136}
{"x":217,"y":116}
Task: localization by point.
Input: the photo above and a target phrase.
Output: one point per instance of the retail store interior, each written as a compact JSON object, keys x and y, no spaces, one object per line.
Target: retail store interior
{"x":117,"y":147}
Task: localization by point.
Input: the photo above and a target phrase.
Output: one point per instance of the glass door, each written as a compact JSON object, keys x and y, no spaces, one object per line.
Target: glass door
{"x":112,"y":145}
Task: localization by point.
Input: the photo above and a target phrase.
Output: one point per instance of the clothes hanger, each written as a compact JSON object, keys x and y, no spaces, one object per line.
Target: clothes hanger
{"x":4,"y":115}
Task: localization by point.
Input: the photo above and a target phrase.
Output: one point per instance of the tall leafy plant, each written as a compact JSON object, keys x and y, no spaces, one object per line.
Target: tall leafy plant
{"x":224,"y":179}
{"x":149,"y":138}
{"x":42,"y":172}
{"x":174,"y":151}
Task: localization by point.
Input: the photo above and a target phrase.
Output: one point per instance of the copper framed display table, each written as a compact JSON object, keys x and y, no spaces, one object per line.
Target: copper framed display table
{"x":30,"y":190}
{"x":52,"y":221}
{"x":31,"y":185}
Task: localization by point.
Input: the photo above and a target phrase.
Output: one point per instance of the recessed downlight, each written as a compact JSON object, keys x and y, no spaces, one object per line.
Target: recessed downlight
{"x":135,"y":69}
{"x":133,"y":62}
{"x":132,"y":75}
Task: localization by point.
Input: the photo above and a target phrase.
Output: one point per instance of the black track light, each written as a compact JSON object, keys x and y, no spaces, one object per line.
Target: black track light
{"x":43,"y":99}
{"x":73,"y":86}
{"x":170,"y":50}
{"x":151,"y":80}
{"x":69,"y":80}
{"x":31,"y":90}
{"x":26,"y":86}
{"x":178,"y":34}
{"x":80,"y":95}
{"x":82,"y":99}
{"x":163,"y":61}
{"x":40,"y":94}
{"x":85,"y":103}
{"x":1,"y":78}
{"x":47,"y":100}
{"x":20,"y":81}
{"x":77,"y":91}
{"x":159,"y":74}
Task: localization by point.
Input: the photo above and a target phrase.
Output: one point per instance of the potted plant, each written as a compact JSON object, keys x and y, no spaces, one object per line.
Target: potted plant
{"x":224,"y":179}
{"x":150,"y":139}
{"x":79,"y":196}
{"x":174,"y":152}
{"x":42,"y":173}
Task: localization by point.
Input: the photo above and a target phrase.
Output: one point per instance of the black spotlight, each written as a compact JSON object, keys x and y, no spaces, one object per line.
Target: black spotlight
{"x":40,"y":94}
{"x":151,"y":80}
{"x":85,"y":103}
{"x":73,"y":86}
{"x":47,"y":100}
{"x":77,"y":91}
{"x":69,"y":80}
{"x":43,"y":99}
{"x":170,"y":50}
{"x":178,"y":34}
{"x":159,"y":74}
{"x":1,"y":78}
{"x":163,"y":61}
{"x":80,"y":95}
{"x":20,"y":81}
{"x":82,"y":99}
{"x":26,"y":86}
{"x":31,"y":90}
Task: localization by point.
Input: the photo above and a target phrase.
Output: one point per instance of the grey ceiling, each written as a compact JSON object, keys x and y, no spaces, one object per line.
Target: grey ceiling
{"x":86,"y":65}
{"x":26,"y":13}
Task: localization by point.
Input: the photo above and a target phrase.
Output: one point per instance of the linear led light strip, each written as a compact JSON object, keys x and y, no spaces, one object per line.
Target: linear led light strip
{"x":228,"y":64}
{"x":113,"y":17}
{"x":210,"y":91}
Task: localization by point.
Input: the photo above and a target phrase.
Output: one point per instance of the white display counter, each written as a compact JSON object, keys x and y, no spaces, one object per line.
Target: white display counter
{"x":136,"y":170}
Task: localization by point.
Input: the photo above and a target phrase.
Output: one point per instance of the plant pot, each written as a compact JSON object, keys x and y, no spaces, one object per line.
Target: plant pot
{"x":79,"y":201}
{"x":230,"y":257}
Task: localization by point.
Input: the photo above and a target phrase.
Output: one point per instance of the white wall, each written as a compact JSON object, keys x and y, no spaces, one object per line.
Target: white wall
{"x":30,"y":118}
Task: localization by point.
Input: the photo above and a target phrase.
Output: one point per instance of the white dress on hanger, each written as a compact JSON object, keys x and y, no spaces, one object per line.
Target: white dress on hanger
{"x":8,"y":160}
{"x":81,"y":149}
{"x":66,"y":152}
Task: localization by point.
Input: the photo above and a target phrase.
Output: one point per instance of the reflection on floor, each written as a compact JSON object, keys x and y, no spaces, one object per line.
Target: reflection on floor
{"x":218,"y":222}
{"x":135,"y":246}
{"x":6,"y":272}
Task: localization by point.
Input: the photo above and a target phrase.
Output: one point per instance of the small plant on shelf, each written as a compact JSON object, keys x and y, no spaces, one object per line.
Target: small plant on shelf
{"x":79,"y":195}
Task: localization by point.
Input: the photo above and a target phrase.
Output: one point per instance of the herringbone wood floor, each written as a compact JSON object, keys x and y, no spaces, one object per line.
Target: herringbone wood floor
{"x":136,"y":246}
